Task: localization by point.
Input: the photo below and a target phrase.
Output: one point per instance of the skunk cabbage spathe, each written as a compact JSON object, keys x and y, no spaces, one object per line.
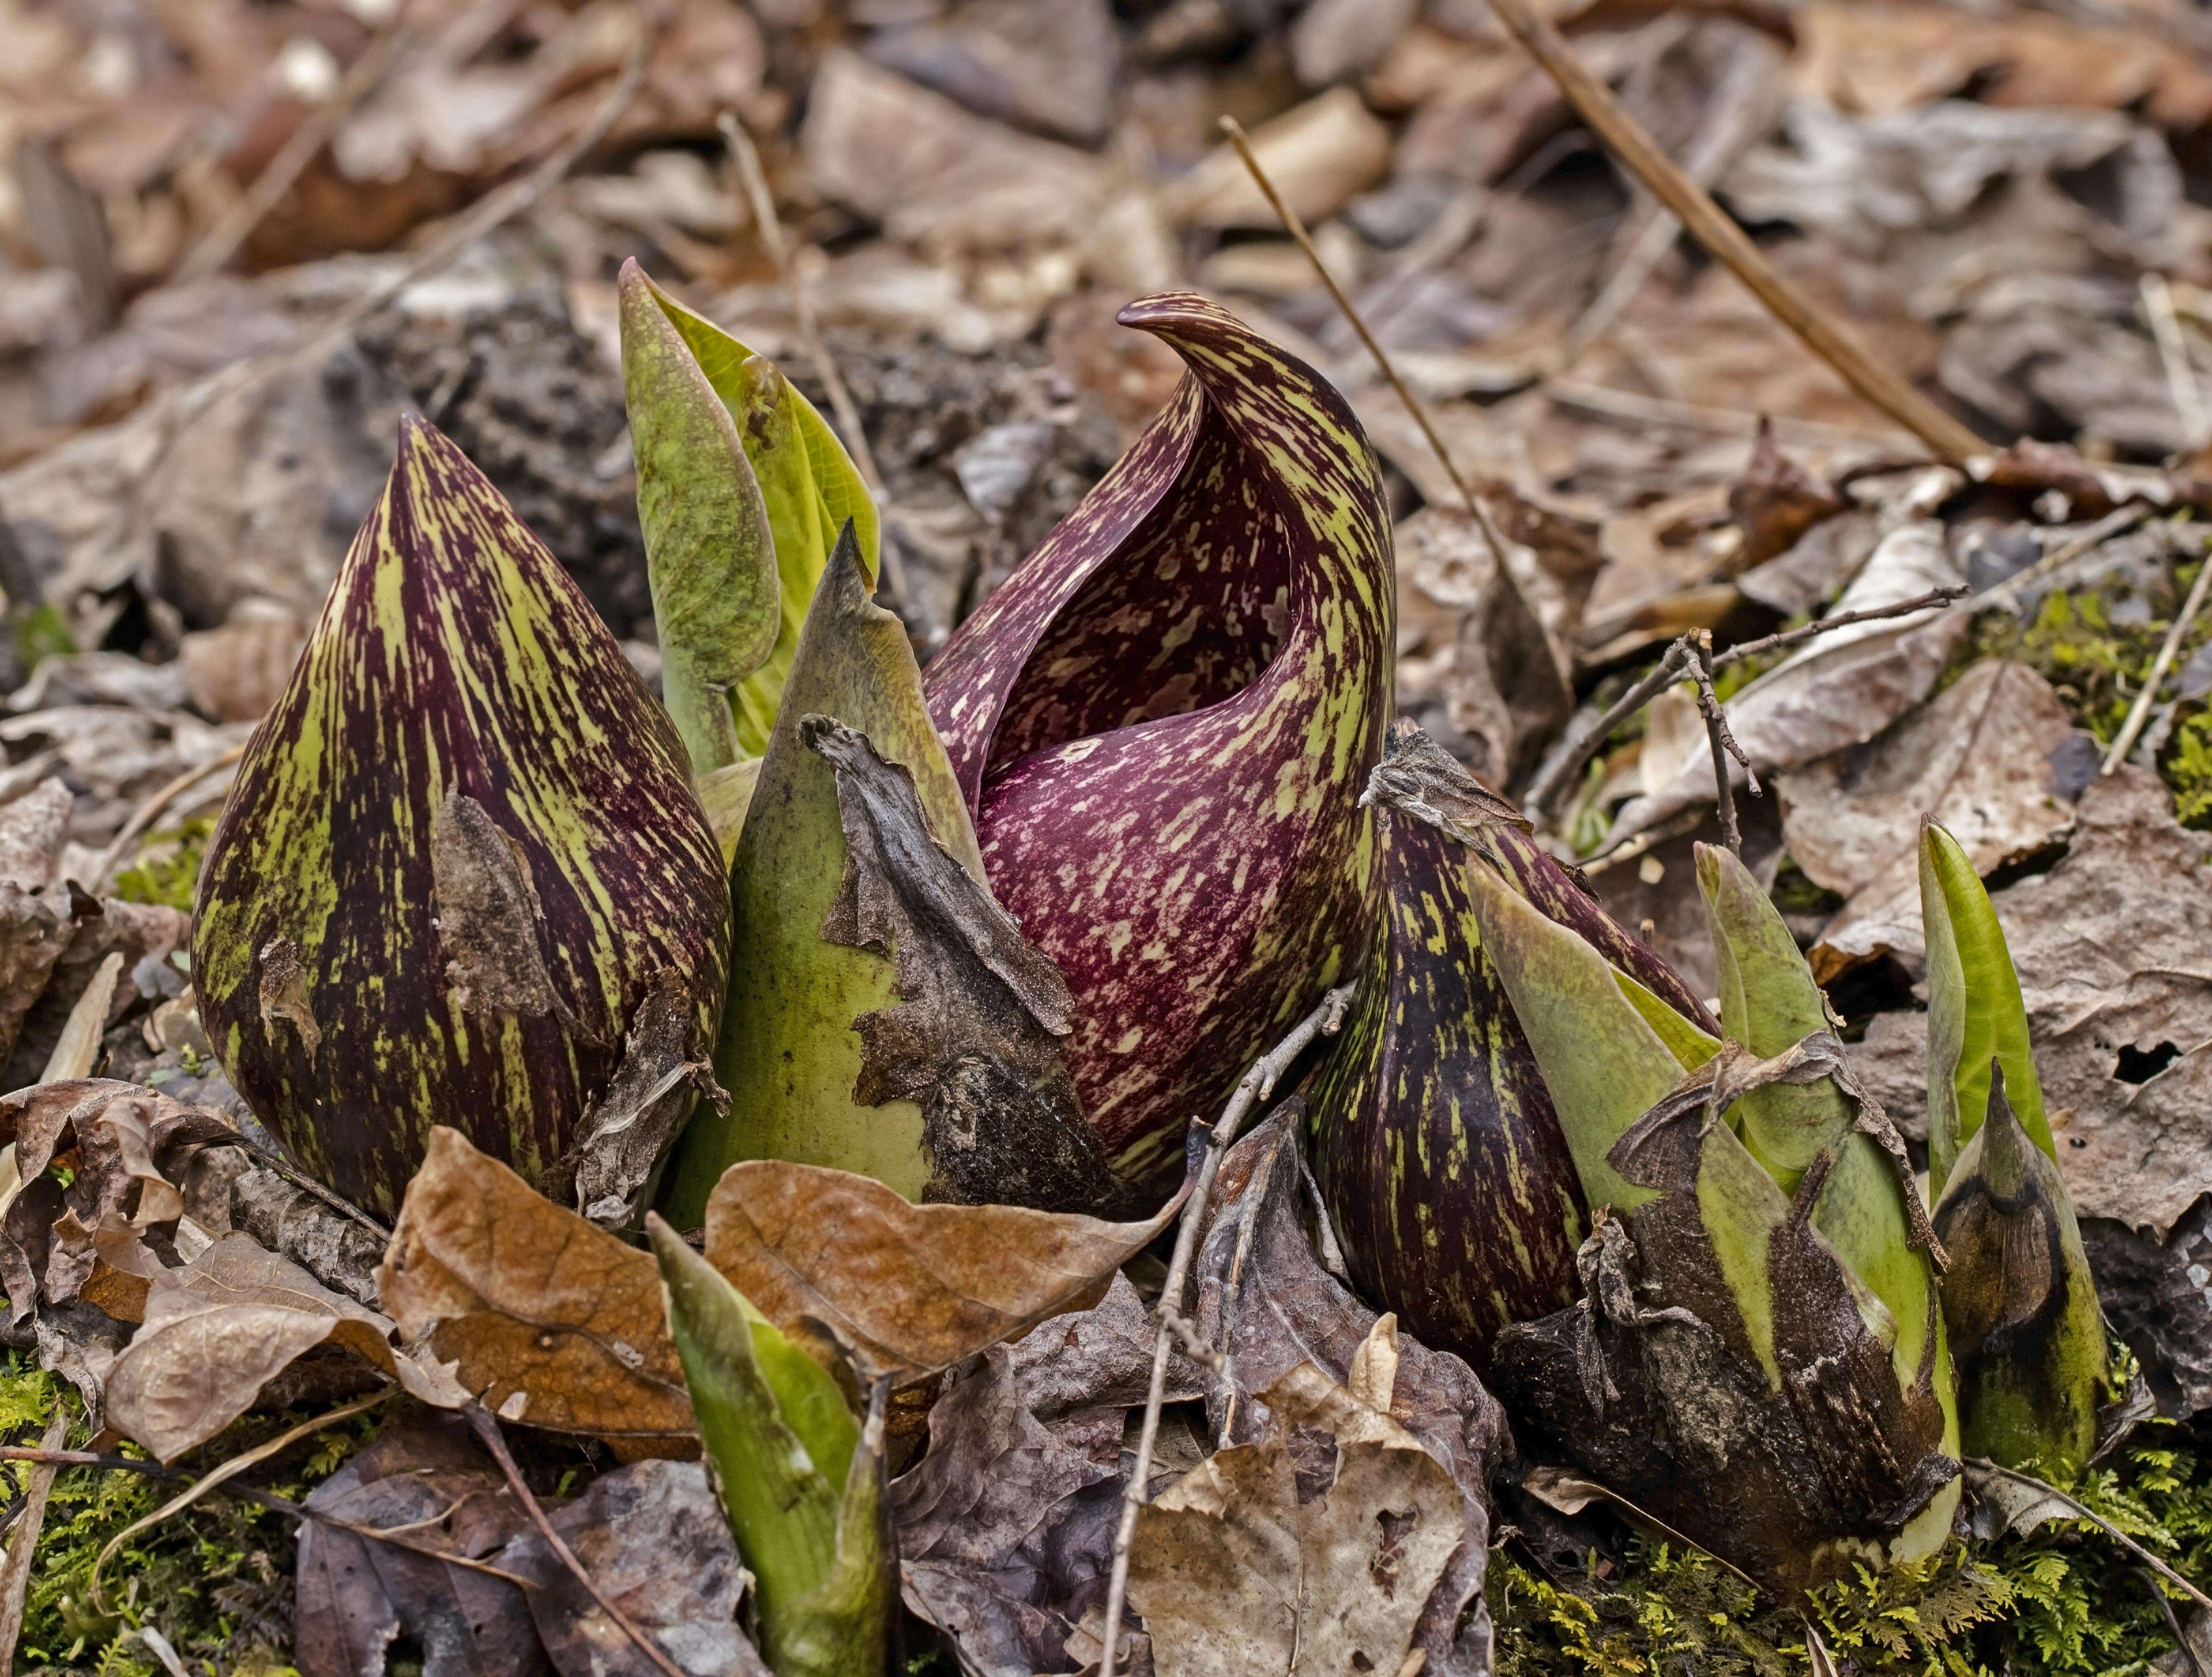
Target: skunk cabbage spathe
{"x":2019,"y":1299}
{"x":1162,"y":722}
{"x":461,"y":856}
{"x":1748,"y":1362}
{"x":1434,"y":1142}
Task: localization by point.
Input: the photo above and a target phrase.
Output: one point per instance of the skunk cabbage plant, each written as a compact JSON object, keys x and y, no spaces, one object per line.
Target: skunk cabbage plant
{"x":1757,"y":1358}
{"x":800,"y":1478}
{"x":462,"y":859}
{"x":2019,"y":1298}
{"x":1435,"y":1141}
{"x":1162,"y":723}
{"x":742,"y":487}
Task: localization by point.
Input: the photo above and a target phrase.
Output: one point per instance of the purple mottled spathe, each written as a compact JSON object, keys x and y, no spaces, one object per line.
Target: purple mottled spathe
{"x":1163,"y":722}
{"x":462,"y":851}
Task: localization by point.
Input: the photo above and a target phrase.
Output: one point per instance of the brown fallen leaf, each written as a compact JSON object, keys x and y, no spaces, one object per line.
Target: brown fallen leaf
{"x":1976,"y":759}
{"x":913,"y":1289}
{"x":221,"y":1327}
{"x":1315,"y":1546}
{"x":546,"y":1318}
{"x":1775,"y":502}
{"x":1264,"y":1296}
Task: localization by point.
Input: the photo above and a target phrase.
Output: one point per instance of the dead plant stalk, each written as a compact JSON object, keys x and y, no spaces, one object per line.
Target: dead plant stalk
{"x":1257,"y":1086}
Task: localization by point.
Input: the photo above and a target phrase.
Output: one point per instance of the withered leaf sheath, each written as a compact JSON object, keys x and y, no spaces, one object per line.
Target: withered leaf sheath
{"x":1163,"y":722}
{"x":1435,"y":1141}
{"x":461,"y":852}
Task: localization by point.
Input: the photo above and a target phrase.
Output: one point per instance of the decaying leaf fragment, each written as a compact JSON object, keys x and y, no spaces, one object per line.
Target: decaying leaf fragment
{"x":1314,"y":1547}
{"x":912,"y":1288}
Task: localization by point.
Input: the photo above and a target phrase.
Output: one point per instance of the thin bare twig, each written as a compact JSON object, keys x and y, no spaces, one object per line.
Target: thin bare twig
{"x":1609,"y":404}
{"x":1949,"y":594}
{"x":1256,"y":1086}
{"x":2083,"y":1511}
{"x":2118,"y":522}
{"x":2139,"y":712}
{"x":151,"y":810}
{"x":485,"y":1426}
{"x":1723,"y":741}
{"x":317,"y":130}
{"x":1729,"y":244}
{"x":15,"y":1571}
{"x":2172,"y":1623}
{"x":1297,"y":227}
{"x":2181,"y":385}
{"x":229,"y":1470}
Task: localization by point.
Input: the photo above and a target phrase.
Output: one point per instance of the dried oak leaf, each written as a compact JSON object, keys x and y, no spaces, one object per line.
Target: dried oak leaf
{"x":1315,"y":1547}
{"x":912,"y":1288}
{"x":975,"y":1041}
{"x":546,"y":1318}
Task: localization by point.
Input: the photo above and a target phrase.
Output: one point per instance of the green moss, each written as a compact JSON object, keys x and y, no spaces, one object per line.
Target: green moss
{"x":167,"y":867}
{"x":215,"y":1580}
{"x":2098,"y":665}
{"x":2064,"y":1601}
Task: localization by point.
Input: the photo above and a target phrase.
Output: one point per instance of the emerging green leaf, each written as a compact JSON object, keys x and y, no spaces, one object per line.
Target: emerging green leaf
{"x":707,"y":552}
{"x":1976,"y":1017}
{"x":462,"y":855}
{"x":2020,"y":1301}
{"x":801,"y":1482}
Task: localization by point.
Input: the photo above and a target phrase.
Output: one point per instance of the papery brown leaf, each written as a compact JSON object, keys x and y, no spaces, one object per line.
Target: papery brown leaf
{"x":912,"y":1288}
{"x":225,"y":1325}
{"x":548,"y":1319}
{"x":1315,"y":1546}
{"x":1775,"y":502}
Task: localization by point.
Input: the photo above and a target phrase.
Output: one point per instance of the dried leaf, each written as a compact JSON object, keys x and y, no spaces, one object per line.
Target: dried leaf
{"x":630,"y":1128}
{"x":1317,"y":1545}
{"x":912,"y":1288}
{"x":545,"y":1318}
{"x":224,"y":1326}
{"x":1775,"y":502}
{"x":1975,"y":759}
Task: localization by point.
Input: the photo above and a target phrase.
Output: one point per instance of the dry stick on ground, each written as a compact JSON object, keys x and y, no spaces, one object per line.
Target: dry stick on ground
{"x":2172,"y":1623}
{"x":2181,"y":384}
{"x":15,"y":1571}
{"x":150,"y":811}
{"x":485,"y":1426}
{"x":222,"y":240}
{"x":1677,"y":664}
{"x":1257,"y":1085}
{"x":1609,"y":404}
{"x":2139,"y":712}
{"x":1476,"y":510}
{"x":1727,"y":243}
{"x":1723,"y":741}
{"x":2083,"y":1511}
{"x":2118,"y":522}
{"x":399,"y":1537}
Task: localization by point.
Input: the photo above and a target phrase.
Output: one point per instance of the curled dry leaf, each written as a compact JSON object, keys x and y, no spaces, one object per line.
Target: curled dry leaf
{"x":1976,"y":759}
{"x":545,"y":1317}
{"x":1317,"y":1545}
{"x":911,"y":1288}
{"x":1775,"y":502}
{"x":221,"y":1327}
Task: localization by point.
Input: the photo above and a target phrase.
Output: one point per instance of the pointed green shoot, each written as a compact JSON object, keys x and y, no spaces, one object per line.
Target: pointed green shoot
{"x":786,"y":1453}
{"x":709,"y":556}
{"x":2020,"y":1301}
{"x":1975,"y":1014}
{"x":808,"y":485}
{"x":1604,"y":1064}
{"x":791,"y":1051}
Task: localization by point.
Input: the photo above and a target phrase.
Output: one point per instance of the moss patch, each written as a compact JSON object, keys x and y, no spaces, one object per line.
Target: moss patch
{"x":215,"y":1580}
{"x":2066,"y":1601}
{"x":167,"y":865}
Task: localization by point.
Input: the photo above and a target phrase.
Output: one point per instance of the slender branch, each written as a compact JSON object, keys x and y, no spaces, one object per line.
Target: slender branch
{"x":2139,"y":712}
{"x":2172,"y":1623}
{"x":317,"y":130}
{"x":1256,"y":1086}
{"x":485,"y":1426}
{"x":2118,"y":522}
{"x":1729,"y":244}
{"x":1291,"y":220}
{"x":1723,"y":741}
{"x":2083,"y":1511}
{"x":1609,"y":404}
{"x":15,"y":1570}
{"x":1791,"y":637}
